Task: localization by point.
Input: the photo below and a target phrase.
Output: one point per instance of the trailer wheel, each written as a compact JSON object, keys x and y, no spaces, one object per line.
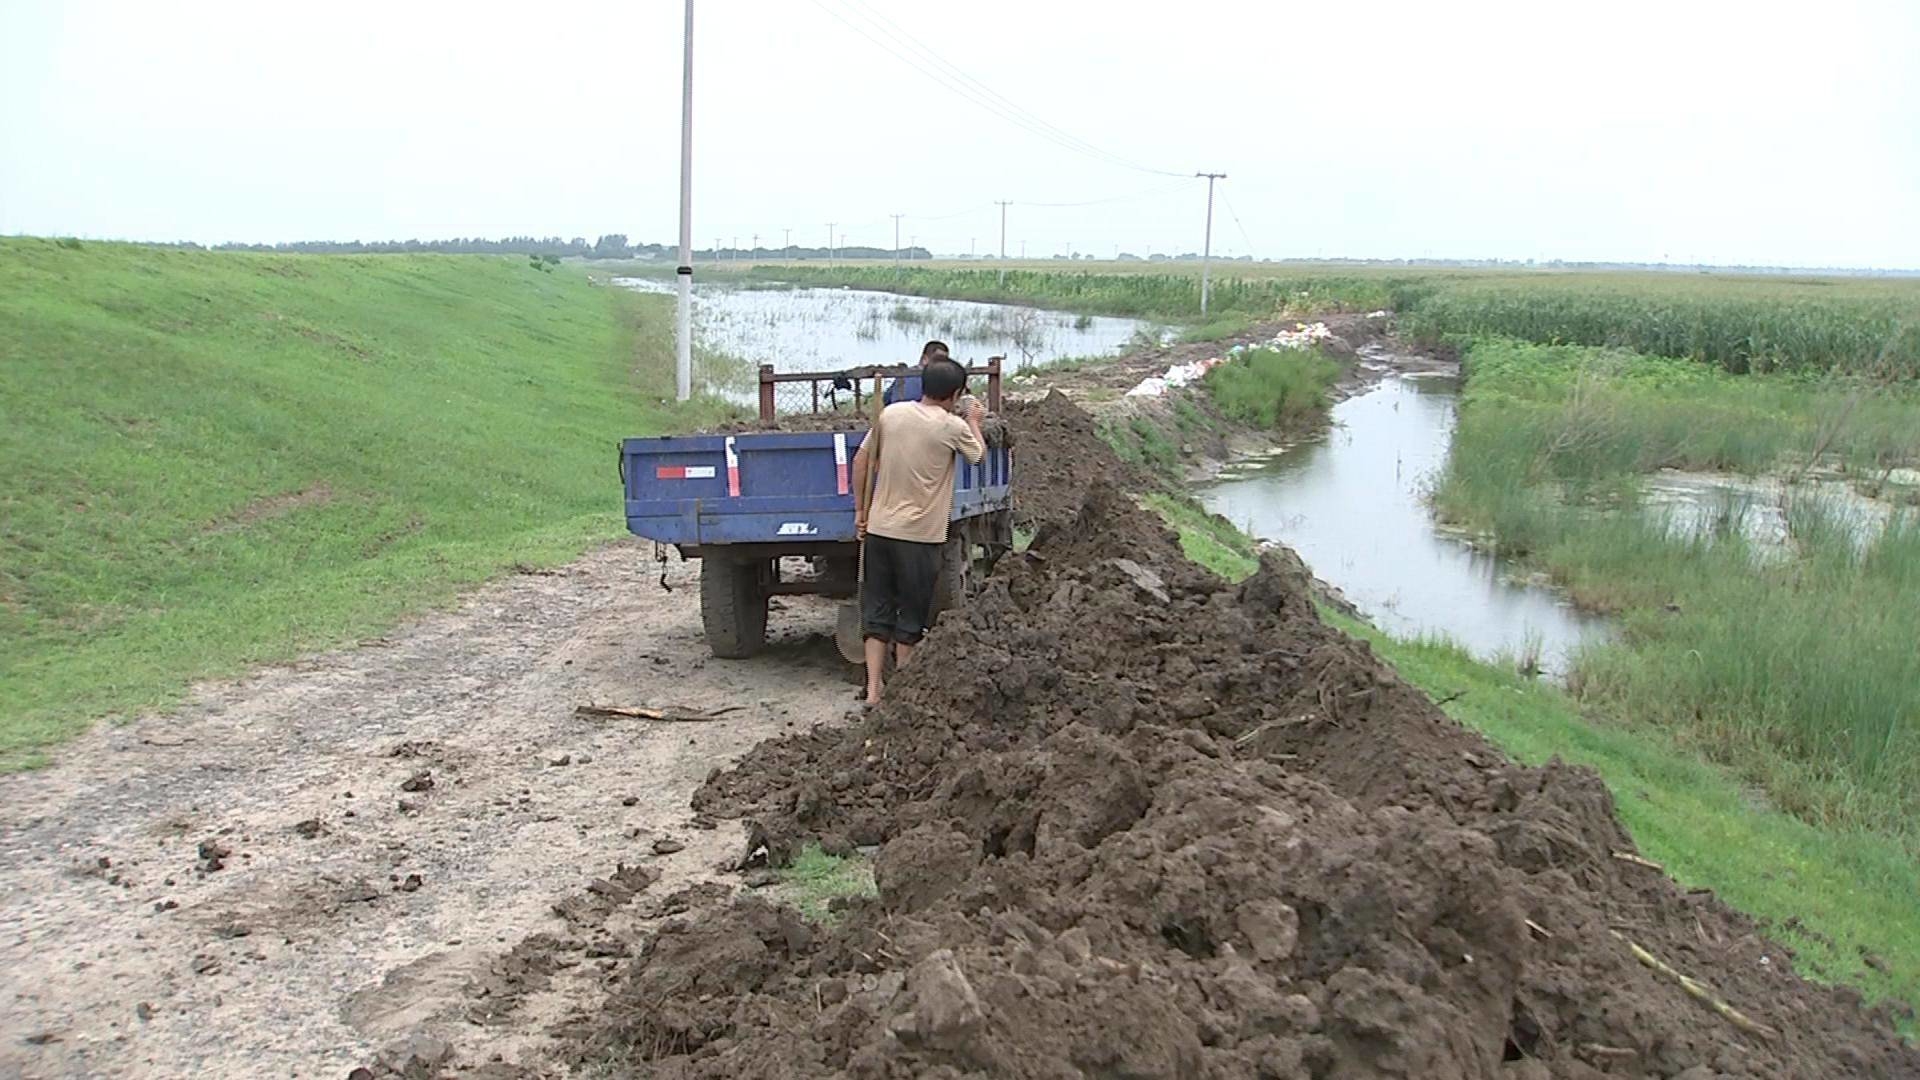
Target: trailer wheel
{"x":956,"y":579}
{"x":733,"y":607}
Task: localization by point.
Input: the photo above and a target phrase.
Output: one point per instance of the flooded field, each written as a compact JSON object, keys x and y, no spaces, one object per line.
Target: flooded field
{"x":815,"y":329}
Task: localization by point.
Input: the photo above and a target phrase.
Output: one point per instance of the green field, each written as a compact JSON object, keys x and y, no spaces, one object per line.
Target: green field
{"x":216,"y":460}
{"x":1837,"y":896}
{"x":1736,"y":322}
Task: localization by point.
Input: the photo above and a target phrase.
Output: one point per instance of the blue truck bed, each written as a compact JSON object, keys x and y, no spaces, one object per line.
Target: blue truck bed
{"x":791,"y":489}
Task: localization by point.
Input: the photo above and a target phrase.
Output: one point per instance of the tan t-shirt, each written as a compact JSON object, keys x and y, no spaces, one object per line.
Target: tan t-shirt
{"x":911,"y":447}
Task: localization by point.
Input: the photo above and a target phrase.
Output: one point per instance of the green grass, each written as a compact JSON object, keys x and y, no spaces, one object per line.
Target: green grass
{"x":220,"y":460}
{"x":1219,"y":327}
{"x":1796,"y":667}
{"x":1852,"y":891}
{"x":814,"y":879}
{"x":1208,"y":539}
{"x":1272,"y":388}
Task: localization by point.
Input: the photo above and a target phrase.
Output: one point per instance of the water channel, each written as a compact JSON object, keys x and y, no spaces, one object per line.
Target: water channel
{"x":1352,"y":502}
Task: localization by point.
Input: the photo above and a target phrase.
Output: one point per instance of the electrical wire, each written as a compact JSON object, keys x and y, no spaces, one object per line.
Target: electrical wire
{"x":1231,"y":212}
{"x":936,"y":69}
{"x":1159,"y":190}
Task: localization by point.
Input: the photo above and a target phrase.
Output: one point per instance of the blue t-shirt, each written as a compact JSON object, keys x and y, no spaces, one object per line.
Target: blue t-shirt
{"x":904,"y":388}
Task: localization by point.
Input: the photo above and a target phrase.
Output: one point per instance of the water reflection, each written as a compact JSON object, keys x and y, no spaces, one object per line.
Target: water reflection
{"x":1352,"y":503}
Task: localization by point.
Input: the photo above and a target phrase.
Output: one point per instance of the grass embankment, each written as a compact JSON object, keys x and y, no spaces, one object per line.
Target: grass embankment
{"x":1796,"y":664}
{"x":217,"y":460}
{"x":1844,"y":901}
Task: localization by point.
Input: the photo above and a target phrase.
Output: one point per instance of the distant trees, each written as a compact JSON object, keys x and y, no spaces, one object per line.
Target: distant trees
{"x":612,"y":246}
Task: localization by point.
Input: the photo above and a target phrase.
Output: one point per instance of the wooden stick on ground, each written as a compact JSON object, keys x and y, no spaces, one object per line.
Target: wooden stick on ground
{"x":666,"y":712}
{"x":1697,"y":990}
{"x":1627,"y":856}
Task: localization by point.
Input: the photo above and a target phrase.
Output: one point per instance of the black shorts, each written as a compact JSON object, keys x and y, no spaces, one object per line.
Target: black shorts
{"x":897,"y":595}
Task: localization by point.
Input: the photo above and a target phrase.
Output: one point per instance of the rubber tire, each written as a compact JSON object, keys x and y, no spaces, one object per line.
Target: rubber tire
{"x":733,"y":607}
{"x":955,"y":581}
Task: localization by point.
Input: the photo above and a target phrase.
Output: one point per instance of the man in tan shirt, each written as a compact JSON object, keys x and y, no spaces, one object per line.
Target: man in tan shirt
{"x":903,"y":496}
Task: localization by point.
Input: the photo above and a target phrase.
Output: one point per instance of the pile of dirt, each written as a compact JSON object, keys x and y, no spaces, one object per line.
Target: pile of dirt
{"x":1058,"y":456}
{"x":1136,"y":822}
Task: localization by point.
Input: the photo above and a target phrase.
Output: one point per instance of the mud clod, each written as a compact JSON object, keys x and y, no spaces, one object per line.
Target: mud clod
{"x":308,"y":829}
{"x":419,"y":781}
{"x":667,"y":845}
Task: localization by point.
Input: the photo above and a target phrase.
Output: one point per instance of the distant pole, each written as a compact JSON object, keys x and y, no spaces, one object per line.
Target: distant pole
{"x":756,"y":247}
{"x":786,"y":245}
{"x":1004,"y":203}
{"x":970,"y":244}
{"x":1023,"y":249}
{"x":829,"y":243}
{"x":736,"y":249}
{"x":1206,"y":246}
{"x":896,"y":240}
{"x":683,"y":273}
{"x":716,"y":251}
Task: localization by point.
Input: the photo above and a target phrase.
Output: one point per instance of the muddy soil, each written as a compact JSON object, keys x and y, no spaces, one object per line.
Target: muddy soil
{"x":1132,"y":821}
{"x":416,"y":839}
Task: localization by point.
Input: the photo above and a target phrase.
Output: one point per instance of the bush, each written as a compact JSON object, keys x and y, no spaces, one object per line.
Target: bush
{"x":1269,"y":388}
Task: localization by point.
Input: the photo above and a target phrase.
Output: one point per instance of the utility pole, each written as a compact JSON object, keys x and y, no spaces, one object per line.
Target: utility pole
{"x":1206,"y":246}
{"x":1023,"y":249}
{"x":830,"y":243}
{"x":786,"y":245}
{"x":1004,"y":203}
{"x":683,"y":273}
{"x":756,"y":246}
{"x":736,"y":249}
{"x":970,"y":243}
{"x":716,"y":251}
{"x":896,"y":240}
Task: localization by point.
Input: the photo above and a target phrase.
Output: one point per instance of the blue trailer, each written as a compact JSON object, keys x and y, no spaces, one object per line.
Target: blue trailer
{"x":770,"y":513}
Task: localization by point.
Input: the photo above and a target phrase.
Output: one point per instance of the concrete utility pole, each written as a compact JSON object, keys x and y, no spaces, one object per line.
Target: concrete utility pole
{"x":683,"y":273}
{"x":1206,"y":246}
{"x":786,"y":245}
{"x":896,"y":240}
{"x":830,"y":243}
{"x":716,"y":251}
{"x":756,"y":246}
{"x":1004,"y":203}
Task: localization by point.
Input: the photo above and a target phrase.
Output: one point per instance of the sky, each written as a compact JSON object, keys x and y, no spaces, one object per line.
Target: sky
{"x":1681,"y":130}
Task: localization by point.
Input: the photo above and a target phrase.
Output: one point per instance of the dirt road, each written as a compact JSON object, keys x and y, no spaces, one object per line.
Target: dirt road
{"x":305,"y":866}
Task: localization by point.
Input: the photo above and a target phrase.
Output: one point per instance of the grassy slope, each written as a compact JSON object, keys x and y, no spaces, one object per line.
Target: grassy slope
{"x":215,"y":460}
{"x":1852,"y":892}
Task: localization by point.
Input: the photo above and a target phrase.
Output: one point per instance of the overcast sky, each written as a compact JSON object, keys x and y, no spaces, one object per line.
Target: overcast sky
{"x":1748,"y":132}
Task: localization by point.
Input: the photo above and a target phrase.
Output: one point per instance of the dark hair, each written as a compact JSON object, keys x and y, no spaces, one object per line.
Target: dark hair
{"x":942,"y":379}
{"x":932,"y":349}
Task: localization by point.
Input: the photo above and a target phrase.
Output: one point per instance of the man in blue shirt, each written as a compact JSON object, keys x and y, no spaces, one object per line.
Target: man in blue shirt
{"x":907,"y":387}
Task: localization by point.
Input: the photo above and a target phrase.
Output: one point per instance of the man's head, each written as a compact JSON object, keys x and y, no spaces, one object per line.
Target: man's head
{"x":933,"y":350}
{"x":942,"y":381}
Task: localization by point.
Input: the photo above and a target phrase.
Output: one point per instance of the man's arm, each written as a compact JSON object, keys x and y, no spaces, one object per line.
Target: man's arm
{"x":863,"y":460}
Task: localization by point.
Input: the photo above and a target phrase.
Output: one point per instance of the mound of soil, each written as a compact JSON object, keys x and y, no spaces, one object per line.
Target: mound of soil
{"x":1057,"y":458}
{"x":1136,"y":822}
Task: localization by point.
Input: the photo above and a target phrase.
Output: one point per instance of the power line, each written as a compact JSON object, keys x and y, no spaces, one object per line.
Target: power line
{"x":1231,"y":212}
{"x":931,"y":66}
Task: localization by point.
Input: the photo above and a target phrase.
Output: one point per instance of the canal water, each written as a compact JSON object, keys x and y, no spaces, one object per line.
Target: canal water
{"x":1353,"y":503}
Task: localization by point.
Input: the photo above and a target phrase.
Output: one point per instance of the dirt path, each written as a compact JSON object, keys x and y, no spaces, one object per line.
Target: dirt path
{"x":389,"y":912}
